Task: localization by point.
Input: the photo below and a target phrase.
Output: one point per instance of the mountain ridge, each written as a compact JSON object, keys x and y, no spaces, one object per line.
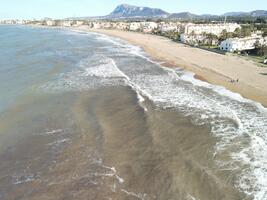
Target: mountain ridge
{"x":127,"y":11}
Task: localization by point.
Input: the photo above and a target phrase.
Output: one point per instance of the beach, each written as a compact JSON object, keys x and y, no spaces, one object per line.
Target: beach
{"x":212,"y":67}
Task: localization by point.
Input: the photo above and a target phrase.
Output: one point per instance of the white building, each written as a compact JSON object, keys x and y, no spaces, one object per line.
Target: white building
{"x":240,"y":44}
{"x":166,"y":27}
{"x":191,"y":39}
{"x":96,"y":25}
{"x":134,"y":26}
{"x":78,"y":23}
{"x":122,"y":26}
{"x":210,"y":28}
{"x":50,"y":22}
{"x":9,"y":21}
{"x":67,"y":23}
{"x":148,"y":27}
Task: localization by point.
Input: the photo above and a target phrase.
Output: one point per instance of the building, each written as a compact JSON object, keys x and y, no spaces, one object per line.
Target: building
{"x":191,"y":39}
{"x":122,"y":26}
{"x":170,"y":26}
{"x":67,"y":23}
{"x":9,"y":21}
{"x":135,"y":26}
{"x":241,"y":44}
{"x":198,"y":40}
{"x":50,"y":22}
{"x":216,"y":29}
{"x":78,"y":23}
{"x":148,"y":27}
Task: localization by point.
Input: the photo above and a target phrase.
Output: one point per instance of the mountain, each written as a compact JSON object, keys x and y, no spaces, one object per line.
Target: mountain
{"x":182,"y":15}
{"x":126,"y":11}
{"x":188,"y":15}
{"x":129,"y":11}
{"x":259,"y":13}
{"x":235,"y":14}
{"x":255,"y":13}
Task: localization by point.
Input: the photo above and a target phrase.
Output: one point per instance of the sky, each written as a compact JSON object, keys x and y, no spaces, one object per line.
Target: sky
{"x":29,"y":9}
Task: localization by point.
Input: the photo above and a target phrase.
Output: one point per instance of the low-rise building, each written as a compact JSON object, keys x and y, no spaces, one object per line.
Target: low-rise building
{"x":78,"y":23}
{"x":50,"y":22}
{"x":215,"y":29}
{"x":67,"y":23}
{"x":148,"y":27}
{"x":198,"y":40}
{"x":170,"y":26}
{"x":134,"y":26}
{"x":241,"y":44}
{"x":122,"y":26}
{"x":191,"y":39}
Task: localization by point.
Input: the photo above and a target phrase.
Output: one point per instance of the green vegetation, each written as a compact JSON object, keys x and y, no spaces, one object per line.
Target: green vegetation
{"x":261,"y":50}
{"x":245,"y":31}
{"x":173,"y":35}
{"x":211,"y":39}
{"x":225,"y":35}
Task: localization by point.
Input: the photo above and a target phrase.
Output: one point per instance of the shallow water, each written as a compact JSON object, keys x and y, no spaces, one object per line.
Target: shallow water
{"x":86,"y":116}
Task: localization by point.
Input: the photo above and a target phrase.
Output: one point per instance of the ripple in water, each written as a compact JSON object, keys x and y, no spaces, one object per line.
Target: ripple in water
{"x":239,"y":124}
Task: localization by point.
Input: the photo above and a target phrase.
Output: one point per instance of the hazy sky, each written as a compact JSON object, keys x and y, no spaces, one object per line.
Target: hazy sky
{"x":23,"y":9}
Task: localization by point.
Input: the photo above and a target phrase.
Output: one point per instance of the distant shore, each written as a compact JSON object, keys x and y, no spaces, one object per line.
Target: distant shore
{"x":233,"y":73}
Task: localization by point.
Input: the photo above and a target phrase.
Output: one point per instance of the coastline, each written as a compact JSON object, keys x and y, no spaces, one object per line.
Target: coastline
{"x":112,"y":123}
{"x":208,"y":66}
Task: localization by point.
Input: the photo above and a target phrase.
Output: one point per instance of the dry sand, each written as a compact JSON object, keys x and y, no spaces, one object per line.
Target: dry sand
{"x":211,"y":67}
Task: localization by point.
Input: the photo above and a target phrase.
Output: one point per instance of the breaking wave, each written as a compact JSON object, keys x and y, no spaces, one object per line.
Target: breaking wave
{"x":239,"y":124}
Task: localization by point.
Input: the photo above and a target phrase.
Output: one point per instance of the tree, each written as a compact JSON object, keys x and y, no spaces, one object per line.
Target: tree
{"x":193,"y":34}
{"x":223,"y":35}
{"x":264,"y":34}
{"x":246,"y":31}
{"x":174,"y":35}
{"x":237,"y":32}
{"x":260,"y":20}
{"x":261,"y":49}
{"x":211,"y":38}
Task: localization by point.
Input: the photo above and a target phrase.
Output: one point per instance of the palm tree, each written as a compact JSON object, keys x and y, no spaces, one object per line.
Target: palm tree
{"x":223,"y":35}
{"x":193,"y":34}
{"x":237,"y":32}
{"x":211,"y":37}
{"x":261,"y":50}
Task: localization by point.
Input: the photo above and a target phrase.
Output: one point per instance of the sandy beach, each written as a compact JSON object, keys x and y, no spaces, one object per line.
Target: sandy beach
{"x":211,"y":67}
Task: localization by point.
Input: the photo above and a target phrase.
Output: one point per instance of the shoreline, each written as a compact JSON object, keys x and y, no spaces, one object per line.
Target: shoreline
{"x":251,"y":77}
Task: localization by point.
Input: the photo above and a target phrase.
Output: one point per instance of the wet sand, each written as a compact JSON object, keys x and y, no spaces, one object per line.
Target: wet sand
{"x":119,"y":151}
{"x":212,"y":67}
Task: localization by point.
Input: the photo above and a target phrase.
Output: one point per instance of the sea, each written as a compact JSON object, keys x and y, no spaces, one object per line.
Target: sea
{"x":89,"y":116}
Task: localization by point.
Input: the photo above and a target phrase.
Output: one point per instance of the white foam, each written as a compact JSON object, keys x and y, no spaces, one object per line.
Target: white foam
{"x":137,"y":195}
{"x":190,"y":197}
{"x":16,"y":179}
{"x":107,"y":69}
{"x":59,"y":142}
{"x":53,"y":132}
{"x":238,"y":123}
{"x":232,"y":118}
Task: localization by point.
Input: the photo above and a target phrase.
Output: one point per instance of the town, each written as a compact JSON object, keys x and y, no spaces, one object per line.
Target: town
{"x":241,"y":39}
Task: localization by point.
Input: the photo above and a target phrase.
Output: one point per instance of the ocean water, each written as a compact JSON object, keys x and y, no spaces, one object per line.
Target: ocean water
{"x":95,"y":117}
